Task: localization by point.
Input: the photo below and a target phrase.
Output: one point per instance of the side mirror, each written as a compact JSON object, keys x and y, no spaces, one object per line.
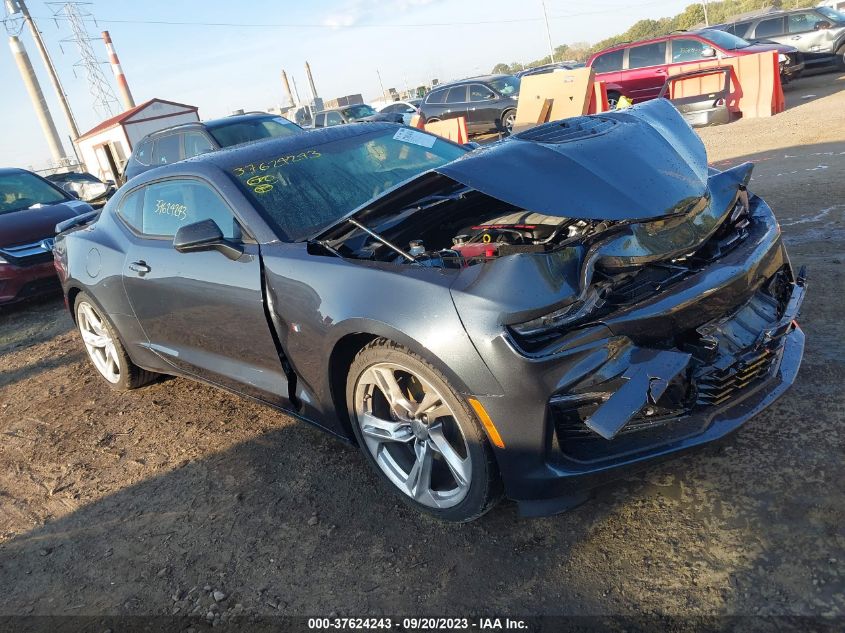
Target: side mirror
{"x":822,"y":24}
{"x":205,"y":236}
{"x":72,"y":193}
{"x":708,"y":52}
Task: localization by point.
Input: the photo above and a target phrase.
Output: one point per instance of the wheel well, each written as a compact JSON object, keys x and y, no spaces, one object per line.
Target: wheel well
{"x":339,"y":362}
{"x":71,"y":300}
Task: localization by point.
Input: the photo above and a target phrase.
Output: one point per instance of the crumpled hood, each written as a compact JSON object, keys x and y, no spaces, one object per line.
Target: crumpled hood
{"x":603,"y":167}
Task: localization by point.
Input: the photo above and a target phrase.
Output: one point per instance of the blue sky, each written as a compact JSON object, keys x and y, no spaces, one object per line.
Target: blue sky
{"x":221,"y":68}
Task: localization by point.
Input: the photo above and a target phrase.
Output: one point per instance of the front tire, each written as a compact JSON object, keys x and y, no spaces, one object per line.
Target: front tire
{"x":612,"y":99}
{"x":419,"y":435}
{"x":840,"y":57}
{"x":105,"y":351}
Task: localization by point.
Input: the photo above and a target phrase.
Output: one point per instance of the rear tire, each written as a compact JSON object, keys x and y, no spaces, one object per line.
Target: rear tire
{"x":612,"y":99}
{"x":840,"y":57}
{"x":507,"y":122}
{"x":418,"y":435}
{"x":105,"y":350}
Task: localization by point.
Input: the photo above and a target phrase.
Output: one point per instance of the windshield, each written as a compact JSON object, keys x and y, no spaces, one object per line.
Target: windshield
{"x":358,"y":112}
{"x":22,"y":190}
{"x":246,"y":131}
{"x":302,"y":193}
{"x":506,"y":85}
{"x":725,"y":41}
{"x":833,"y":14}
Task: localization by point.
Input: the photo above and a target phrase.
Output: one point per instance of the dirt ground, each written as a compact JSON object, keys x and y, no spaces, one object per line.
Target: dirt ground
{"x":147,"y":502}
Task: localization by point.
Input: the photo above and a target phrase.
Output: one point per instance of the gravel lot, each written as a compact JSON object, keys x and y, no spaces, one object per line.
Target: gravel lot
{"x":148,"y":502}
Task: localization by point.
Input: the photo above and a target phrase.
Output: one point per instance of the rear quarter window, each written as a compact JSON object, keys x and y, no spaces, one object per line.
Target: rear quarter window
{"x":609,"y":62}
{"x":437,"y":96}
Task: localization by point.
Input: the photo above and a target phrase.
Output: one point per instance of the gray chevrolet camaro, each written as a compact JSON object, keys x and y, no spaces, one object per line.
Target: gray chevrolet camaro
{"x":530,"y":318}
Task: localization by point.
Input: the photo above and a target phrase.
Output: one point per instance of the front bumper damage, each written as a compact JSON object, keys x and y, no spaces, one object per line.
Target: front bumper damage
{"x":681,"y":368}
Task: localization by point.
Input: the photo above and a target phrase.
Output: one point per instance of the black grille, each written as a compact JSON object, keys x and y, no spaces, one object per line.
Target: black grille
{"x":721,"y":384}
{"x":568,"y":130}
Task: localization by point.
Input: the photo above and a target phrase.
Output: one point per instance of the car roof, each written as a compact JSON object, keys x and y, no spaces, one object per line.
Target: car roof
{"x":215,"y":123}
{"x":470,"y":80}
{"x":227,"y":158}
{"x":339,"y":108}
{"x":649,"y":40}
{"x":5,"y":171}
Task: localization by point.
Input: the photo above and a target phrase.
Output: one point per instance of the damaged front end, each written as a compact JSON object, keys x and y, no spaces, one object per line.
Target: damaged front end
{"x":630,"y":301}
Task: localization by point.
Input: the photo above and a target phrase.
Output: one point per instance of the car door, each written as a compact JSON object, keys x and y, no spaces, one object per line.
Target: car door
{"x":771,"y":29}
{"x":483,"y":109}
{"x":647,"y":71}
{"x":201,"y":312}
{"x":804,"y":33}
{"x":456,"y":103}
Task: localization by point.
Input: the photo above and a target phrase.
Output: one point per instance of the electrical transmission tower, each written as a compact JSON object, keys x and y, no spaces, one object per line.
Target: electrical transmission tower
{"x":76,"y":14}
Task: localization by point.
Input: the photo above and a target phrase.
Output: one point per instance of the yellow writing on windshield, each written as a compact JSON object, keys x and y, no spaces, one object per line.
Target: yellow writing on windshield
{"x":275,"y":163}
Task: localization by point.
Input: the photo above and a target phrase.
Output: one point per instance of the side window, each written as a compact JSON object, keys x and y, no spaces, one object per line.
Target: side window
{"x":166,"y":150}
{"x":769,"y":28}
{"x":144,"y":152}
{"x":196,"y":143}
{"x":437,"y":96}
{"x":801,"y":22}
{"x":647,"y":55}
{"x":171,"y":204}
{"x":458,"y":94}
{"x":740,"y":29}
{"x":130,"y":208}
{"x":477,"y":92}
{"x":334,"y":118}
{"x":687,"y":50}
{"x":609,"y":62}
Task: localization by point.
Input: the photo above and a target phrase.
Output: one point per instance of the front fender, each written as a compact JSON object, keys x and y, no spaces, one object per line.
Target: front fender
{"x":319,"y":300}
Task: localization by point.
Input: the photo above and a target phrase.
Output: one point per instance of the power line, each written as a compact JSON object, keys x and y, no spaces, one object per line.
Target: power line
{"x":334,"y":27}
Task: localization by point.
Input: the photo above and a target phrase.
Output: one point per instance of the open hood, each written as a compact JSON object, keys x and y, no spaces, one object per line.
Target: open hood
{"x":640,"y":163}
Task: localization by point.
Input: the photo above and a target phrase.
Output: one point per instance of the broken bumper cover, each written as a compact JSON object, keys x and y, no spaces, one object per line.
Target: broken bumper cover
{"x":683,"y":368}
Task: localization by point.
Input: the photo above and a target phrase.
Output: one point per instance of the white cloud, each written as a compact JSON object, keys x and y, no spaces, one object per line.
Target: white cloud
{"x":356,"y":12}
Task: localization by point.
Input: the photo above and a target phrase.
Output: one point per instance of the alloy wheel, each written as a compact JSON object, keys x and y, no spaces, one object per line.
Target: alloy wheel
{"x":510,"y":119}
{"x":98,"y":341}
{"x":413,"y":435}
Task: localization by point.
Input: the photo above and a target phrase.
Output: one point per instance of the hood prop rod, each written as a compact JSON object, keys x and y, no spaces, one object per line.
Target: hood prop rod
{"x":384,"y":241}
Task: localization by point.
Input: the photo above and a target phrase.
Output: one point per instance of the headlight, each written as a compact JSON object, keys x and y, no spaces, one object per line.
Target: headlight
{"x":3,"y":261}
{"x":571,"y":313}
{"x":783,"y":58}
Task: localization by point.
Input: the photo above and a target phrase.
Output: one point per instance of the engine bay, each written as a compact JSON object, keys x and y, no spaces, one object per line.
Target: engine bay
{"x":460,"y":230}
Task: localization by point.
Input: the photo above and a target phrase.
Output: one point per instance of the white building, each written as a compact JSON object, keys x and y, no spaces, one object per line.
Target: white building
{"x":105,"y":148}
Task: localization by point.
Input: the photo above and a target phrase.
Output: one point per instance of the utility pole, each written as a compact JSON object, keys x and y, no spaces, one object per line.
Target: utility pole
{"x":37,"y":97}
{"x":19,"y":6}
{"x":548,"y":32}
{"x":706,"y":19}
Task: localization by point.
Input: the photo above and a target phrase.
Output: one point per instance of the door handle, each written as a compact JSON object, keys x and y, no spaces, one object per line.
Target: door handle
{"x":660,"y":71}
{"x":140,"y":267}
{"x":795,"y":37}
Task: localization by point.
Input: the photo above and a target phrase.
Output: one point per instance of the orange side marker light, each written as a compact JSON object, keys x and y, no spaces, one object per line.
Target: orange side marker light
{"x":492,"y":433}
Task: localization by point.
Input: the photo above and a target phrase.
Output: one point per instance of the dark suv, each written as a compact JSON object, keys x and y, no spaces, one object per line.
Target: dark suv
{"x":488,"y":103}
{"x":818,"y":33}
{"x":191,"y":139}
